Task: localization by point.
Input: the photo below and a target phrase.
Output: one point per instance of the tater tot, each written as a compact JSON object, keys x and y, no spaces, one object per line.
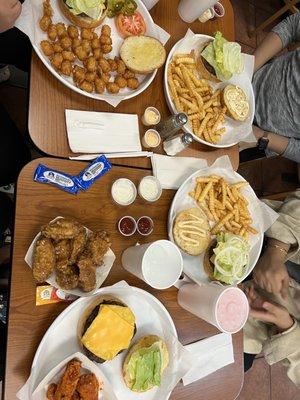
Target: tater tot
{"x":73,"y":31}
{"x":61,"y":29}
{"x":106,"y":30}
{"x":86,"y":86}
{"x":128,"y":74}
{"x":66,"y":67}
{"x":112,"y":88}
{"x":106,"y":48}
{"x":113,"y":65}
{"x":99,"y":85}
{"x":95,"y":44}
{"x":57,"y":60}
{"x":91,"y":64}
{"x":80,"y":53}
{"x":105,"y":78}
{"x":78,"y":74}
{"x":133,"y":83}
{"x":121,"y":82}
{"x":66,"y":43}
{"x":105,"y":39}
{"x":86,"y":45}
{"x":104,"y":65}
{"x":52,"y":32}
{"x":47,"y":9}
{"x":75,"y":43}
{"x":87,"y":34}
{"x":121,"y":68}
{"x":45,"y":22}
{"x":47,"y":48}
{"x":90,"y":76}
{"x":95,"y":36}
{"x":97,"y":53}
{"x":68,"y":55}
{"x":57,"y":47}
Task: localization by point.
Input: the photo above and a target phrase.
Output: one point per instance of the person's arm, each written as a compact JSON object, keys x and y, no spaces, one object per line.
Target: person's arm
{"x":9,"y":12}
{"x":286,"y":32}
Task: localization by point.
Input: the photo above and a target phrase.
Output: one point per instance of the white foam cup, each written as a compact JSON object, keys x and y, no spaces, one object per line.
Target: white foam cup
{"x":190,"y":10}
{"x":150,"y":3}
{"x":204,"y":301}
{"x":159,"y":263}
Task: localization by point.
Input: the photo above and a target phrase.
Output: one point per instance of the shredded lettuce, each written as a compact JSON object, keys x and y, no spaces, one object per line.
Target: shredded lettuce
{"x":226,"y":57}
{"x":231,"y":257}
{"x":91,"y":8}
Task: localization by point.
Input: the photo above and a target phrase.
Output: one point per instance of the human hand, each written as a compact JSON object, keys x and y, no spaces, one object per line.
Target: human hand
{"x":9,"y":12}
{"x":266,"y":311}
{"x":257,"y":132}
{"x":270,"y":272}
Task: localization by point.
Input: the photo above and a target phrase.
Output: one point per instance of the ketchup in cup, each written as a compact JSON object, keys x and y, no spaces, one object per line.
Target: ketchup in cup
{"x":219,"y":10}
{"x":145,"y":226}
{"x":127,"y":226}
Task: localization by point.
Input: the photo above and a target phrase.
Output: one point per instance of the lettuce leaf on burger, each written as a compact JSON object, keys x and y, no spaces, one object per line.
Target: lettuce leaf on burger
{"x":84,"y":13}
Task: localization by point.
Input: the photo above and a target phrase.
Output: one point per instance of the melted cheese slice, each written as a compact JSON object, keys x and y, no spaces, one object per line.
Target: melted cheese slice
{"x":110,"y":332}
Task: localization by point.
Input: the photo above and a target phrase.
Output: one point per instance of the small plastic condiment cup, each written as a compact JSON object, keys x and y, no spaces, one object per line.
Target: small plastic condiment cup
{"x":150,"y":222}
{"x":144,"y":117}
{"x":146,"y":140}
{"x":152,"y":179}
{"x":128,"y":182}
{"x":134,"y":224}
{"x":220,"y":8}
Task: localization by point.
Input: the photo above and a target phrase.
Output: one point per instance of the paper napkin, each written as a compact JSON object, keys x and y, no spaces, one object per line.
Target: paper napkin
{"x":173,"y":171}
{"x":209,"y":355}
{"x":100,"y":132}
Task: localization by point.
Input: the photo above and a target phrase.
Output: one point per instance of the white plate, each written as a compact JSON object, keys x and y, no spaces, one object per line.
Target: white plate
{"x":124,"y":94}
{"x":232,"y":127}
{"x":193,"y":265}
{"x":60,"y":340}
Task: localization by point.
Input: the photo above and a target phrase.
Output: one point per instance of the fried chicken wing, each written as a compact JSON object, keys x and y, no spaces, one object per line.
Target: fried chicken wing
{"x":67,"y":276}
{"x":63,"y":250}
{"x":87,"y":274}
{"x":77,"y":246}
{"x":43,"y":259}
{"x":51,"y":391}
{"x":62,"y":228}
{"x":88,"y":387}
{"x":97,"y":246}
{"x":68,"y":382}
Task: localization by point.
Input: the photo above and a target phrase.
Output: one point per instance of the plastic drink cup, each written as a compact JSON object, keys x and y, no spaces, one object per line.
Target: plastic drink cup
{"x":226,"y":308}
{"x":190,"y":10}
{"x":150,"y":3}
{"x":159,"y":263}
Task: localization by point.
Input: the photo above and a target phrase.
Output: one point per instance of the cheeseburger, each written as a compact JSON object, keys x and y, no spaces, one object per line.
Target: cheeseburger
{"x":84,"y":13}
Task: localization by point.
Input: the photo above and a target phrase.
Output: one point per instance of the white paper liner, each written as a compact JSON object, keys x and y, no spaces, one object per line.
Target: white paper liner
{"x":235,"y":131}
{"x":262,"y":215}
{"x":28,"y":23}
{"x":101,"y":271}
{"x":151,"y":318}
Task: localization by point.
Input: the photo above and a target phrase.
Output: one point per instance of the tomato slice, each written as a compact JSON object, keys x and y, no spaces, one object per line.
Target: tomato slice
{"x":130,"y":25}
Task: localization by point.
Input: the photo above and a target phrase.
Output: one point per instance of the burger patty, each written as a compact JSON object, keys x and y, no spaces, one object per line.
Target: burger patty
{"x":209,"y":67}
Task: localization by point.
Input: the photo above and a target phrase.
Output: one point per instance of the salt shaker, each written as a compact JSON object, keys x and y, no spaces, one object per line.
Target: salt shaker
{"x":177,"y":143}
{"x":170,"y":126}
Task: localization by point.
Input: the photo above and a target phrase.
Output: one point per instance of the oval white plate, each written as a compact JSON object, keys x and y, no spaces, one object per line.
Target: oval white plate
{"x":242,"y":80}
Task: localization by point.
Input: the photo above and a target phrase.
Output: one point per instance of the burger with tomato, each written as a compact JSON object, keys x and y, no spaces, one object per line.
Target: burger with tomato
{"x":84,"y":13}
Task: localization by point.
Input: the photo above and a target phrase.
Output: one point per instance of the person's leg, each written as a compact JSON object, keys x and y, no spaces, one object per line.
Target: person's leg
{"x":15,"y":49}
{"x":248,"y":361}
{"x":14,"y":153}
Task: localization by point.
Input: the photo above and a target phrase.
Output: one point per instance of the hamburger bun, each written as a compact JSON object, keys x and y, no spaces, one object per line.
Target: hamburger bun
{"x":235,"y":99}
{"x":207,"y":263}
{"x":88,"y":317}
{"x":191,"y":231}
{"x":142,"y":54}
{"x":205,"y":70}
{"x":82,"y":20}
{"x":145,"y":342}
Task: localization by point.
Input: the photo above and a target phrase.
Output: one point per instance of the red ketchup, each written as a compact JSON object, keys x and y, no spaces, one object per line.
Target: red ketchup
{"x":127,"y":226}
{"x":145,"y":226}
{"x":217,"y":9}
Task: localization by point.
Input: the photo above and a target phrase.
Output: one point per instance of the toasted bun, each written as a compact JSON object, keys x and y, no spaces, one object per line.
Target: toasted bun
{"x":205,"y":70}
{"x":83,"y":21}
{"x":207,"y":264}
{"x":145,"y":341}
{"x":191,"y":214}
{"x":235,"y":99}
{"x":142,"y":54}
{"x":88,"y":317}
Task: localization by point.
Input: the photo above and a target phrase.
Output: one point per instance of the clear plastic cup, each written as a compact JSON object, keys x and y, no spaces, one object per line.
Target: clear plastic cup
{"x":151,"y":139}
{"x":146,"y":118}
{"x":124,"y":225}
{"x":123,"y":192}
{"x":190,"y":10}
{"x":150,"y":188}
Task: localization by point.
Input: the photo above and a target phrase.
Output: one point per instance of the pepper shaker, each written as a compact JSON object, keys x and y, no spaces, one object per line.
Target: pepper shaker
{"x":171,"y":125}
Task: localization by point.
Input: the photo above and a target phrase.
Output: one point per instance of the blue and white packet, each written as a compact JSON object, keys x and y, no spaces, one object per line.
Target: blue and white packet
{"x":94,"y":171}
{"x":59,"y":179}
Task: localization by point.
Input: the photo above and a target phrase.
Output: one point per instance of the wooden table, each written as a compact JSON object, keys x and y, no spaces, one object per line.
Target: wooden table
{"x":49,"y":98}
{"x":36,"y":205}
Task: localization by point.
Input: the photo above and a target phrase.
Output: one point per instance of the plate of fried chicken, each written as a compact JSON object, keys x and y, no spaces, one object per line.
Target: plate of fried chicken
{"x":71,"y":257}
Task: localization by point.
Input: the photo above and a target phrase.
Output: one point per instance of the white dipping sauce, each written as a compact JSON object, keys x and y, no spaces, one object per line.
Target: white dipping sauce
{"x":150,"y":188}
{"x":123,"y":191}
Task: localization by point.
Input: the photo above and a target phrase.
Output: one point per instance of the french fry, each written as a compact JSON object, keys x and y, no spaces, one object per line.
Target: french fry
{"x":189,"y":104}
{"x":194,"y":116}
{"x":207,"y":211}
{"x":206,"y":179}
{"x":199,"y":99}
{"x":230,"y":195}
{"x":203,"y":124}
{"x":205,"y":191}
{"x":221,"y":223}
{"x":216,"y":94}
{"x":252,"y":230}
{"x":224,"y":193}
{"x":184,"y":60}
{"x":187,"y":79}
{"x":207,"y":104}
{"x":239,"y":185}
{"x":220,"y":118}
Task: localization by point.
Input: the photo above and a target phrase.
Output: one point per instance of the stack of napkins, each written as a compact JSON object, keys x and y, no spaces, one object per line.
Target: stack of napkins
{"x":209,"y":355}
{"x":100,"y":132}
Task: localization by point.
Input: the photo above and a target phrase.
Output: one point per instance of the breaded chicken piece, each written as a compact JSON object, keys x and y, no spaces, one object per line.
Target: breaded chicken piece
{"x":68,"y":382}
{"x":43,"y":259}
{"x":67,"y":276}
{"x":76,"y":396}
{"x":87,"y":274}
{"x":51,"y":391}
{"x":62,"y":228}
{"x":77,"y":246}
{"x":88,"y":387}
{"x":97,"y":246}
{"x":63,"y":250}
